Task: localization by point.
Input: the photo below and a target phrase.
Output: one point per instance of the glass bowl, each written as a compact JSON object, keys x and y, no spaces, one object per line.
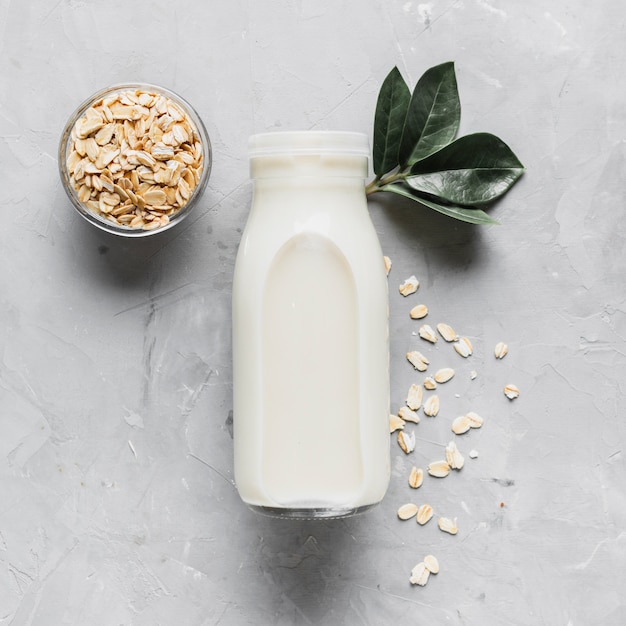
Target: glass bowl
{"x":134,"y":159}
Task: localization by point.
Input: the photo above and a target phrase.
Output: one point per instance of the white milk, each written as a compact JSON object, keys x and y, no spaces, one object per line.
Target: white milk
{"x":310,"y":332}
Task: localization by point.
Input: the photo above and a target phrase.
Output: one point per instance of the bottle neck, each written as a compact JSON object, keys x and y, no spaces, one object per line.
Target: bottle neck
{"x":308,"y":199}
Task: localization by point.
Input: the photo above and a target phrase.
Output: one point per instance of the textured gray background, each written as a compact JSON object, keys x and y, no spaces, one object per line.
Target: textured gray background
{"x":117,"y":504}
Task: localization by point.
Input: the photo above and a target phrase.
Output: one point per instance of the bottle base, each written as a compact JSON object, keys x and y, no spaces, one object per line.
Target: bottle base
{"x":310,"y":513}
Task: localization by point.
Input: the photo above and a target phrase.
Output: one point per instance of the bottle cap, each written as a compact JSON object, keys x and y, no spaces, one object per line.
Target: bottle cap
{"x":309,"y":142}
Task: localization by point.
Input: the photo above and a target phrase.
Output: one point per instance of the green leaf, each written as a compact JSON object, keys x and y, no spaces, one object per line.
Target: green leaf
{"x":473,"y":170}
{"x":391,"y":108}
{"x":433,"y":116}
{"x":464,"y":214}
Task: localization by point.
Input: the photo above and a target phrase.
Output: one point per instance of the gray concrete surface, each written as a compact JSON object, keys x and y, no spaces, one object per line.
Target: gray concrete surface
{"x":117,"y":503}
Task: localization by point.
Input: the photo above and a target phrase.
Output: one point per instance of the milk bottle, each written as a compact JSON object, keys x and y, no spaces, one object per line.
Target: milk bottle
{"x":310,"y":332}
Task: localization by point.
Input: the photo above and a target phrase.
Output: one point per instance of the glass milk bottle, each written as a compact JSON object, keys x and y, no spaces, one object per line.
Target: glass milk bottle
{"x":310,"y":332}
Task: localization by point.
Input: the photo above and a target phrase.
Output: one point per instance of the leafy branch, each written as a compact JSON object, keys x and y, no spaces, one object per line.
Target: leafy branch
{"x":416,"y":153}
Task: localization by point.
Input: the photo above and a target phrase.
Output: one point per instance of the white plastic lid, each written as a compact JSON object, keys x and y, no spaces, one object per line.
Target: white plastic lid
{"x":309,"y":142}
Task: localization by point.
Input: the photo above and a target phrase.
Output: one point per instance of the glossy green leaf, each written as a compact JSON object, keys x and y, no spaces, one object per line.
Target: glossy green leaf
{"x":391,"y":108}
{"x":473,"y":170}
{"x":433,"y":115}
{"x":465,"y":214}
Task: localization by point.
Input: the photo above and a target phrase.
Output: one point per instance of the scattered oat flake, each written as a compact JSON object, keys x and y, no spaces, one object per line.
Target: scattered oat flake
{"x":473,"y":374}
{"x":431,"y":563}
{"x":406,"y":441}
{"x":473,"y":454}
{"x":407,"y":511}
{"x":409,"y":286}
{"x":444,"y":375}
{"x":418,"y":312}
{"x":448,"y":525}
{"x":414,"y":397}
{"x":429,"y":383}
{"x":501,"y":350}
{"x":511,"y":392}
{"x":431,"y":406}
{"x":439,"y":469}
{"x":427,"y":333}
{"x":418,"y":360}
{"x":419,"y":574}
{"x":454,"y":457}
{"x":395,"y":423}
{"x":447,"y":332}
{"x":416,"y":477}
{"x":461,"y":425}
{"x":424,"y":514}
{"x":475,"y":420}
{"x":407,"y":415}
{"x":463,"y":347}
{"x":388,"y":264}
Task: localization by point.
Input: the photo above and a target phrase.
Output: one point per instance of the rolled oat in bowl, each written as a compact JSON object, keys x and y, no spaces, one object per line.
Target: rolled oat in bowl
{"x":134,"y":159}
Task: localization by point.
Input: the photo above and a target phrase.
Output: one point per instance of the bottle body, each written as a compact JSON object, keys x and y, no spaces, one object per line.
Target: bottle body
{"x":310,"y":341}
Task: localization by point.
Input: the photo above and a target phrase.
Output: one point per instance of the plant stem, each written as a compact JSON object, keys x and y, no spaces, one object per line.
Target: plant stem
{"x":372,"y":187}
{"x":380,"y":181}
